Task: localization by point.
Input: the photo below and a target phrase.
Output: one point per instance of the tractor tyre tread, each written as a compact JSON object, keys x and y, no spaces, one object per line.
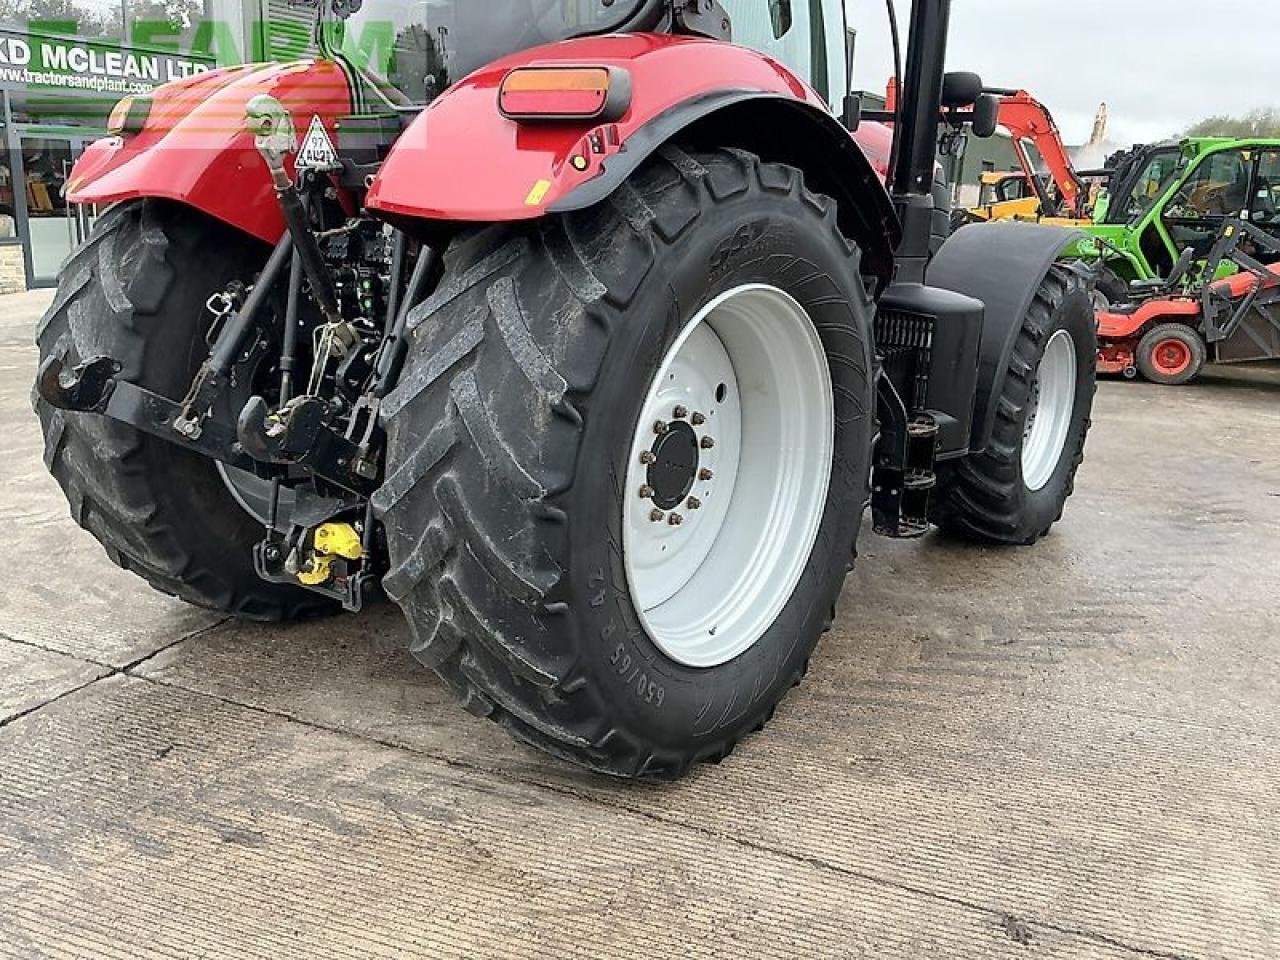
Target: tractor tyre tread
{"x":115,"y":295}
{"x":472,"y":509}
{"x":978,"y":496}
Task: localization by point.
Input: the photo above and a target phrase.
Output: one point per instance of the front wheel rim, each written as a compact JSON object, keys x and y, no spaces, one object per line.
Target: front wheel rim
{"x":1171,"y":357}
{"x":1049,"y":412}
{"x":727,"y":481}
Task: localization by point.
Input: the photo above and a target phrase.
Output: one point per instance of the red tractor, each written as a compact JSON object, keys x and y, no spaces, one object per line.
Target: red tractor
{"x":1174,"y":326}
{"x":581,"y":332}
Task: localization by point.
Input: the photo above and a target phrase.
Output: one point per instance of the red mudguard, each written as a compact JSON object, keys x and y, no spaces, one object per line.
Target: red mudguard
{"x":462,"y":160}
{"x":194,"y":147}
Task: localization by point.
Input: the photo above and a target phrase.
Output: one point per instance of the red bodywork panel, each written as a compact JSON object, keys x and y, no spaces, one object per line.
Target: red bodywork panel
{"x":459,"y":160}
{"x":195,"y":149}
{"x":462,"y":160}
{"x":1119,"y":325}
{"x":876,"y":141}
{"x":1239,"y":284}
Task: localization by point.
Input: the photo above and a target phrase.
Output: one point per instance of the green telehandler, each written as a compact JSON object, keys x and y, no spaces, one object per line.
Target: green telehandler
{"x":1168,"y":197}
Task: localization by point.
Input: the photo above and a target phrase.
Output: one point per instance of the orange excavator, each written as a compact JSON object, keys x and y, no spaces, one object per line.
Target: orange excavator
{"x":1026,"y":194}
{"x":1031,"y":126}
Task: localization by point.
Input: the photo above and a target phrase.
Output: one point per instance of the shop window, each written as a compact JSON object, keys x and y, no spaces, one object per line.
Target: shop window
{"x":47,"y":162}
{"x":8,"y":221}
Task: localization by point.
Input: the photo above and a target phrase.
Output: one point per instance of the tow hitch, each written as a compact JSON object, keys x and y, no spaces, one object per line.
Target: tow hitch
{"x":311,"y":427}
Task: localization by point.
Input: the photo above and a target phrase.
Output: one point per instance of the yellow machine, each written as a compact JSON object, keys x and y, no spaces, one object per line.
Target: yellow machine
{"x":1005,"y":195}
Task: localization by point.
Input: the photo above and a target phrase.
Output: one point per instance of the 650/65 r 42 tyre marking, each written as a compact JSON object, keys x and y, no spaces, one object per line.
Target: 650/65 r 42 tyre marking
{"x":136,"y":292}
{"x":510,"y":440}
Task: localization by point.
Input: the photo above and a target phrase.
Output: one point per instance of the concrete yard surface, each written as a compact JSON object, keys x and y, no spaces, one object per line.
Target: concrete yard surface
{"x":1068,"y":751}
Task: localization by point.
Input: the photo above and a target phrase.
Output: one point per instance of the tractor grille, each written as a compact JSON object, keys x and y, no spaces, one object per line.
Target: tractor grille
{"x":905,"y":344}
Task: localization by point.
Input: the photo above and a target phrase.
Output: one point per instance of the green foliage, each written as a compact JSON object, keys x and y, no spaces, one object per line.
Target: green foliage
{"x":89,"y":19}
{"x":1263,"y":123}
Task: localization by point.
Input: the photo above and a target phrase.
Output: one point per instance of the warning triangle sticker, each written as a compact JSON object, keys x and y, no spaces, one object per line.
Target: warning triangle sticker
{"x":317,"y":151}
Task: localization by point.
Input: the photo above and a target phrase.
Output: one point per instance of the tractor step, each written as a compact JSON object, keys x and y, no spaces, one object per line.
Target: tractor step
{"x":900,"y":495}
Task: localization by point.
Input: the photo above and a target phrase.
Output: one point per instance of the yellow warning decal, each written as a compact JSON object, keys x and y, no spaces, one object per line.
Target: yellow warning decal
{"x":538,"y":193}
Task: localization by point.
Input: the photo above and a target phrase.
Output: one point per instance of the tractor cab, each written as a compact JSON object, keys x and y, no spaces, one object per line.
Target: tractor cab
{"x":407,"y":52}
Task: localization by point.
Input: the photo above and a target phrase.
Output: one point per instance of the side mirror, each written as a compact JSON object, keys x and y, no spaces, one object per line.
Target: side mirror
{"x":851,"y":116}
{"x":960,"y":89}
{"x":986,"y":116}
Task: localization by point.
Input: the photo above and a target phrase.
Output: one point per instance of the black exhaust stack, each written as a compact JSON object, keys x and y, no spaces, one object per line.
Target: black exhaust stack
{"x":916,"y":144}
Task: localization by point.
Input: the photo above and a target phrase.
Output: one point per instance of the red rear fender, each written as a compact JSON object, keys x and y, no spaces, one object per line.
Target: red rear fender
{"x":194,"y":147}
{"x":462,"y":160}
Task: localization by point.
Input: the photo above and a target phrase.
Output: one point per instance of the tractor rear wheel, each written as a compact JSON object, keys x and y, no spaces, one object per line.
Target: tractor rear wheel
{"x":1171,"y":354}
{"x":1015,"y":490}
{"x":136,"y":292}
{"x":627,"y":460}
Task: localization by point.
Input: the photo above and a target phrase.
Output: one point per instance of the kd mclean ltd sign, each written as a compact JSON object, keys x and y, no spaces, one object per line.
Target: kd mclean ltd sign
{"x":34,"y":62}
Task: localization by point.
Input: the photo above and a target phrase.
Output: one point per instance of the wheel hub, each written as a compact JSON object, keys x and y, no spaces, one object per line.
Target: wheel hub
{"x":675,"y":466}
{"x":1172,"y":356}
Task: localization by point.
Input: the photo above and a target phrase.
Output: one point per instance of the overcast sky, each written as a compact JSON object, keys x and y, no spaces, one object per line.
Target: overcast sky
{"x":1160,"y":65}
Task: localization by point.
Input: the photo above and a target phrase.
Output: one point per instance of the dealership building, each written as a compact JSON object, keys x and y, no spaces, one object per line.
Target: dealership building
{"x":59,"y":81}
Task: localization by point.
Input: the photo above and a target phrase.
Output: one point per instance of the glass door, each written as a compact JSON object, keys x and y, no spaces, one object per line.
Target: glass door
{"x":54,"y":227}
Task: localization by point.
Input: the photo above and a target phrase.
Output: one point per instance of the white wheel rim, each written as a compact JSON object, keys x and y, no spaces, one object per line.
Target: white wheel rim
{"x":1053,"y":398}
{"x":749,"y":375}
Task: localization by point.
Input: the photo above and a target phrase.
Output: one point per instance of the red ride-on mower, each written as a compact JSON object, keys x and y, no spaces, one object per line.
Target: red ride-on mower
{"x":1170,"y":336}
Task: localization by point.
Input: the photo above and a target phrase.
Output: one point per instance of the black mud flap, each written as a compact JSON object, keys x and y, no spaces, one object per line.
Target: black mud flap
{"x":1002,"y":264}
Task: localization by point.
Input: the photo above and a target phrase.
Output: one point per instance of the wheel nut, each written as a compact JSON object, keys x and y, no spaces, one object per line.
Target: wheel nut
{"x":708,"y":443}
{"x":646,"y":492}
{"x":656,"y":516}
{"x":698,"y":419}
{"x":648,"y":457}
{"x":704,"y":474}
{"x":675,"y":519}
{"x":693,"y":503}
{"x":660,"y":427}
{"x":680,"y":412}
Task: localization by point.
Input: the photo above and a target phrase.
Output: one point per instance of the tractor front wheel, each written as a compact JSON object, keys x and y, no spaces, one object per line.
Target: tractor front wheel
{"x":1015,"y":490}
{"x":627,"y":461}
{"x":1171,"y":354}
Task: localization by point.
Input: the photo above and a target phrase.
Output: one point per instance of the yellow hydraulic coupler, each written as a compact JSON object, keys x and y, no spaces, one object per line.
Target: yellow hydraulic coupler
{"x":331,"y":541}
